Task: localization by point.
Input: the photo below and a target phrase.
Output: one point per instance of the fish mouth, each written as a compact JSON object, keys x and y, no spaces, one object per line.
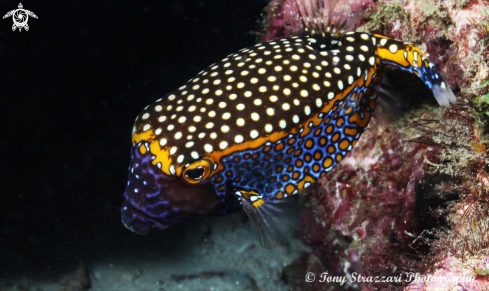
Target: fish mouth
{"x":137,"y":221}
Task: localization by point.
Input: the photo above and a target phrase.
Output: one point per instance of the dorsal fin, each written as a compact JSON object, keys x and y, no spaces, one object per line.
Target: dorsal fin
{"x":325,"y":16}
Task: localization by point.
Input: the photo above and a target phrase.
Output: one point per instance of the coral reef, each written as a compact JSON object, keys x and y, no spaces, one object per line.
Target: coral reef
{"x":413,"y":197}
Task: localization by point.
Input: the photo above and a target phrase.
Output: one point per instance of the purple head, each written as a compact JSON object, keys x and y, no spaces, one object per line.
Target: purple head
{"x":154,"y":199}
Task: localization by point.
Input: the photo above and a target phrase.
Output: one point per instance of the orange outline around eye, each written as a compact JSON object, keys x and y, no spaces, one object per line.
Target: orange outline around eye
{"x":205,"y":164}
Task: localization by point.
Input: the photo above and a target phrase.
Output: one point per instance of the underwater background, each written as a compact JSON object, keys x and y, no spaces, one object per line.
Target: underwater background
{"x":70,"y":87}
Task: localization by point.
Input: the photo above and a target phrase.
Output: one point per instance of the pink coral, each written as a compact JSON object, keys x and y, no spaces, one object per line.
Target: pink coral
{"x":367,"y":205}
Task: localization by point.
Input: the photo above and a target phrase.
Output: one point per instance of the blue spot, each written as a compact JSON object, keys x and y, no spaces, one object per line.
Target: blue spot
{"x":144,"y":182}
{"x":136,"y":190}
{"x":125,"y":207}
{"x":137,"y":176}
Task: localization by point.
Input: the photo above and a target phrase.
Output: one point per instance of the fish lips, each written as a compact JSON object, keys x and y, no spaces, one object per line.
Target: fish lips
{"x":137,"y":221}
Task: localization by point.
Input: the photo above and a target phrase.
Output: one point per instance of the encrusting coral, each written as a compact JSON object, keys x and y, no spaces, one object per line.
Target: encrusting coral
{"x":412,"y":197}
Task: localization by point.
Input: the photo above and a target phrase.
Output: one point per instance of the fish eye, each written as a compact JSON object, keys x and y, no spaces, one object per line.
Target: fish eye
{"x":197,"y":172}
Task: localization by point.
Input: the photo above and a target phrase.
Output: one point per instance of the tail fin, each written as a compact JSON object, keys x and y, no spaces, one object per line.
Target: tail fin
{"x":407,"y":57}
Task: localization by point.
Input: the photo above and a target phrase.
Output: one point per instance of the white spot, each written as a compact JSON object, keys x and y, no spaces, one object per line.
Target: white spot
{"x":287,"y":91}
{"x":282,"y":123}
{"x":197,"y":118}
{"x":170,"y":127}
{"x":213,"y":135}
{"x":364,"y":48}
{"x":146,"y":127}
{"x":225,"y":128}
{"x":180,"y":159}
{"x":364,"y":36}
{"x":350,"y":79}
{"x":208,"y":148}
{"x":240,"y":121}
{"x":238,"y":139}
{"x":240,"y":106}
{"x":319,"y":102}
{"x":295,"y":119}
{"x":172,"y":96}
{"x":304,"y":93}
{"x":223,"y":145}
{"x":173,"y":150}
{"x":247,"y":94}
{"x":371,"y":61}
{"x":330,"y":95}
{"x":268,"y":127}
{"x":273,"y":98}
{"x":162,"y":118}
{"x":285,"y":106}
{"x":307,"y":110}
{"x":340,"y":85}
{"x":163,"y":141}
{"x":253,"y":134}
{"x":209,"y":125}
{"x":393,"y":48}
{"x":178,"y":135}
{"x":383,"y":41}
{"x":194,"y":155}
{"x":192,"y":128}
{"x":255,"y":116}
{"x":271,"y":111}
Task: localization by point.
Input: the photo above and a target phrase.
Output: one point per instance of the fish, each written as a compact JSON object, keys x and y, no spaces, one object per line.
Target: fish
{"x":263,"y":124}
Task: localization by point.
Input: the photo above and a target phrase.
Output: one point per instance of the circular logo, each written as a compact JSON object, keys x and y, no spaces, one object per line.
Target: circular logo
{"x":20,"y":17}
{"x":310,"y":277}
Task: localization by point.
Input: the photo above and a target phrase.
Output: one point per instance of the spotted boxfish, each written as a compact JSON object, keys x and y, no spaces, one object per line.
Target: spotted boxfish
{"x":262,"y":124}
